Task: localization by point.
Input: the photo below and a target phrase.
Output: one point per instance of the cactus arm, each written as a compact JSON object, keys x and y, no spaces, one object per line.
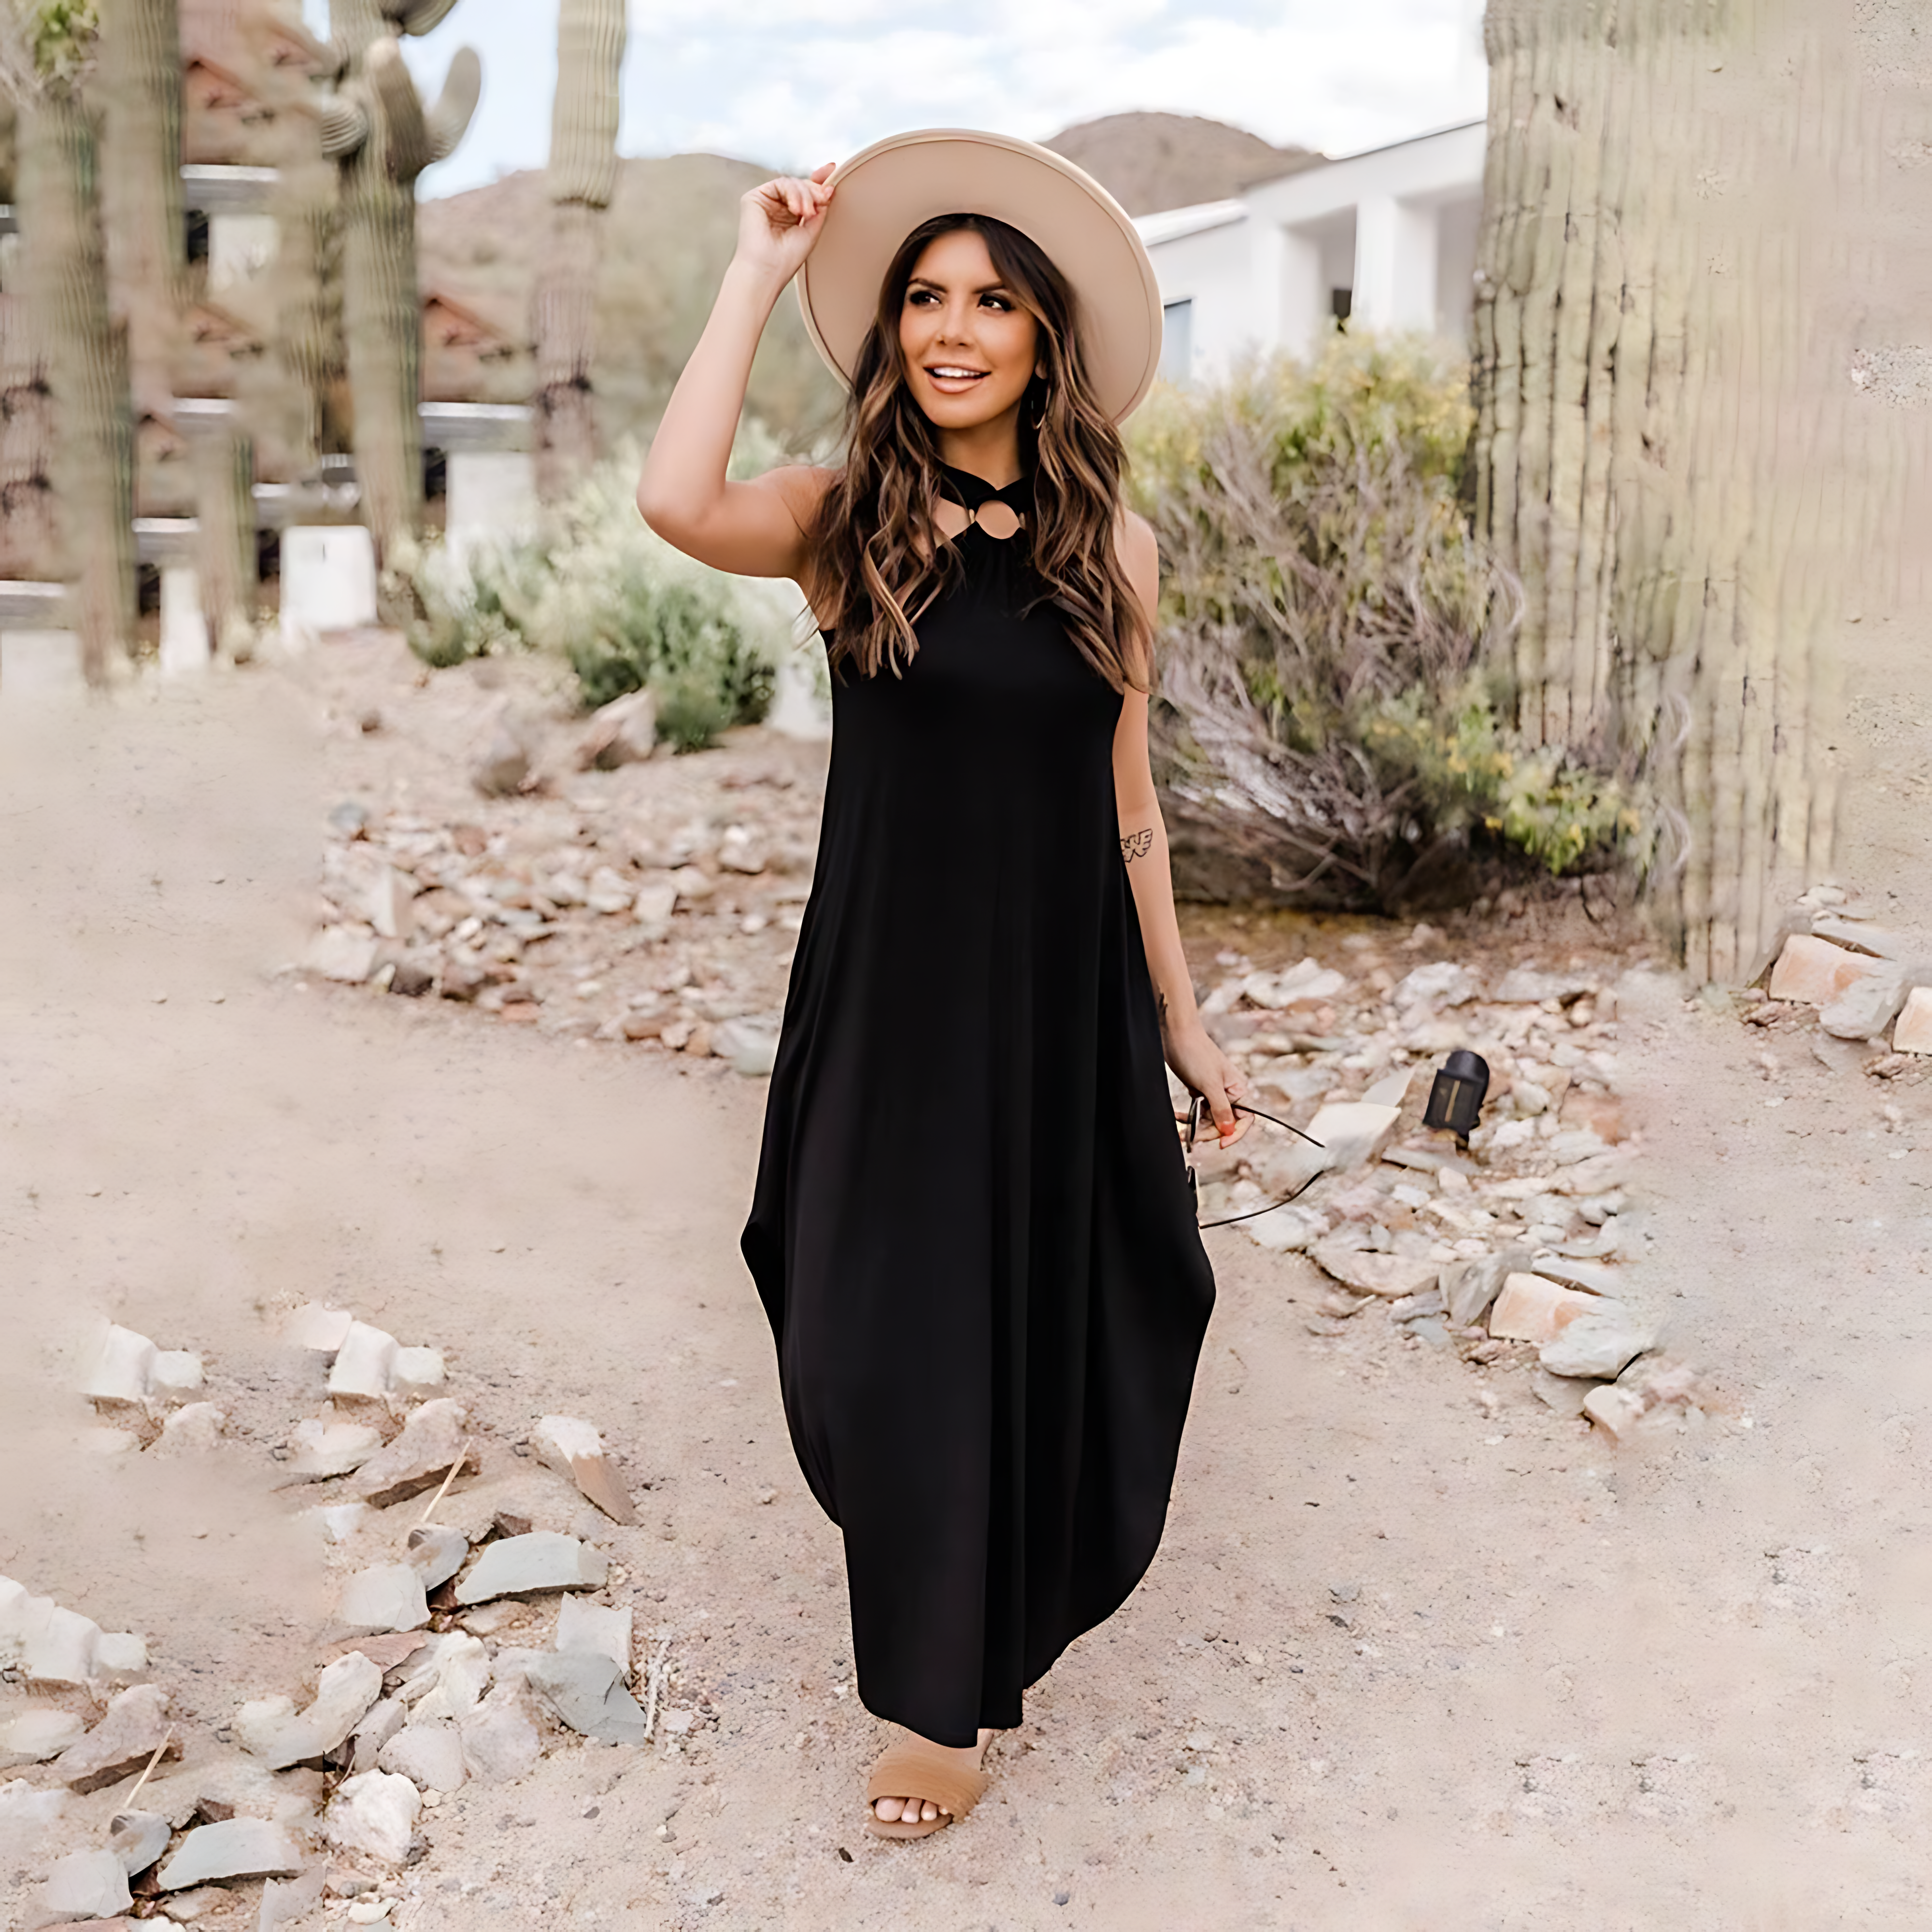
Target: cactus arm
{"x":425,"y":16}
{"x":449,"y":120}
{"x":345,"y":126}
{"x":404,"y":127}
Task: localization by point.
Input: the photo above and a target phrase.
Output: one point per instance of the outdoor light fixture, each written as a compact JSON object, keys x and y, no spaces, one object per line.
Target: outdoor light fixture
{"x":1455,"y":1100}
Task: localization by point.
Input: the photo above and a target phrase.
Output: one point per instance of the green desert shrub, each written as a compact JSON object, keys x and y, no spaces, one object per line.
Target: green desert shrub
{"x":598,"y":589}
{"x":1331,"y":727}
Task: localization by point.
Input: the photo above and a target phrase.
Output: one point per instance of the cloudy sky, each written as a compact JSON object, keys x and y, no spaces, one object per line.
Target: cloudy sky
{"x":792,"y":82}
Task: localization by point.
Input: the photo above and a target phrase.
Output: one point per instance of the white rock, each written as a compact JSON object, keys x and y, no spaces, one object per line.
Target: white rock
{"x":623,"y":732}
{"x":138,"y":1838}
{"x":655,"y":900}
{"x":365,"y":1364}
{"x":1602,"y":1343}
{"x":522,"y":1565}
{"x":122,"y":1367}
{"x":1868,"y":1006}
{"x":57,"y":1645}
{"x":268,"y":1729}
{"x":134,"y":1729}
{"x":85,"y":1885}
{"x":387,"y":1597}
{"x":236,"y":1848}
{"x":436,"y":1552}
{"x":120,"y":1656}
{"x":608,"y":892}
{"x":582,"y":1626}
{"x":194,"y":1429}
{"x":500,"y":1742}
{"x":326,"y":1449}
{"x":1913,"y":1033}
{"x":384,"y":1718}
{"x":24,"y":1808}
{"x":693,"y":882}
{"x":574,"y":1448}
{"x":339,"y":952}
{"x":1443,"y":984}
{"x":432,"y":1441}
{"x":450,"y":1681}
{"x":375,"y":1814}
{"x":418,"y":1373}
{"x":752,"y":1048}
{"x":175,"y":1375}
{"x":1369,"y":1273}
{"x":428,"y":1752}
{"x":741,"y":850}
{"x":1282,"y":1230}
{"x":320,"y":1330}
{"x":35,"y":1736}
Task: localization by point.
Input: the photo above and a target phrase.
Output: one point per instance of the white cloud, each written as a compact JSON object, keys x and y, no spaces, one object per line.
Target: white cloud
{"x":793,"y":82}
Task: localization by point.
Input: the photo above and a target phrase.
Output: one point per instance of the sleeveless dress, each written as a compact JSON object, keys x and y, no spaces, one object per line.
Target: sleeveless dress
{"x":971,"y":1229}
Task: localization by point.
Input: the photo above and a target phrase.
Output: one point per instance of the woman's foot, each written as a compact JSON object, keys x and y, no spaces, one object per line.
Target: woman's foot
{"x":922,"y":1810}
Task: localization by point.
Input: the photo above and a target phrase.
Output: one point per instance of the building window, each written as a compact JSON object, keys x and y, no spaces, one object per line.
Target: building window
{"x":1341,"y":301}
{"x":1176,"y":341}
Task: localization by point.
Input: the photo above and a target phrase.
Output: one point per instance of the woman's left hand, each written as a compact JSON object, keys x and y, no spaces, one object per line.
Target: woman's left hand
{"x":1204,"y":1068}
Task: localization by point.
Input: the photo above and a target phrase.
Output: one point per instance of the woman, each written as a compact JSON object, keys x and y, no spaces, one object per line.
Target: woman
{"x":971,"y":1227}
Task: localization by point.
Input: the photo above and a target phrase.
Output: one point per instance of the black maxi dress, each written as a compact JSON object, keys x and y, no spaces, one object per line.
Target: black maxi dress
{"x":971,"y":1229}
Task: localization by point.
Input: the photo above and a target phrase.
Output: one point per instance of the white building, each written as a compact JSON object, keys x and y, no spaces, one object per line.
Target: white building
{"x":1386,"y":239}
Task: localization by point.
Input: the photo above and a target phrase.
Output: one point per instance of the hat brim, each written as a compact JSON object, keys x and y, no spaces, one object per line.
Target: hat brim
{"x":885,"y":191}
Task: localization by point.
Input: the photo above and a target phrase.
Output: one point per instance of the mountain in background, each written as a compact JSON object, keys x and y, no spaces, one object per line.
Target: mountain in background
{"x":1149,"y":162}
{"x":672,"y":227}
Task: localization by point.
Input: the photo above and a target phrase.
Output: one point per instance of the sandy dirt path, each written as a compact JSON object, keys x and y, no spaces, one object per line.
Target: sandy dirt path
{"x":1409,"y":1657}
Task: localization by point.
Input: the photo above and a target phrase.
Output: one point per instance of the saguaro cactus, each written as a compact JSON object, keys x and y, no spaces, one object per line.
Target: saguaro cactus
{"x":381,"y":137}
{"x":139,"y":87}
{"x":583,"y":175}
{"x":47,"y":49}
{"x":1664,"y":452}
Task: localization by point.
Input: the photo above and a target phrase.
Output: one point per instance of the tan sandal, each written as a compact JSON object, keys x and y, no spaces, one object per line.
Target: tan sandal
{"x":912,"y":1767}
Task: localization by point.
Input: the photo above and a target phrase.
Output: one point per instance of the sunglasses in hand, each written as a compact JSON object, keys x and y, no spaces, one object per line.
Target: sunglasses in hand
{"x":1199,"y":1119}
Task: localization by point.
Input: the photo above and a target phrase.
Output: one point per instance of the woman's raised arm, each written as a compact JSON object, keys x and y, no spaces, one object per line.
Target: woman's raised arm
{"x":755,"y":528}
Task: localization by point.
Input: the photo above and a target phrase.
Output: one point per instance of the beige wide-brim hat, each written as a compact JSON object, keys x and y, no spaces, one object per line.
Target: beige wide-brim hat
{"x":885,"y":191}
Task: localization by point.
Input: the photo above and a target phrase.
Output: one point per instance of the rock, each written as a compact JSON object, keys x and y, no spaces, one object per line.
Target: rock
{"x":417,"y":1373}
{"x":35,"y":1736}
{"x":120,"y":1656}
{"x":1615,"y":1410}
{"x":1416,"y":1307}
{"x":1388,"y":1275}
{"x":585,"y":1690}
{"x":582,"y":1626}
{"x":1602,"y":1343}
{"x":1525,"y":987}
{"x":268,"y":1729}
{"x":138,"y":1838}
{"x":319,"y":1331}
{"x":451,"y":1681}
{"x":175,"y":1375}
{"x":1868,"y":1005}
{"x":340,"y":952}
{"x":1597,"y":1113}
{"x":574,"y":1448}
{"x":365,"y":1364}
{"x":190,"y":1908}
{"x":1353,"y":1133}
{"x":52,"y":1645}
{"x":1913,"y":1033}
{"x":1531,"y":1310}
{"x":693,"y":883}
{"x":1563,"y":1394}
{"x":135,"y":1727}
{"x":429,"y":1754}
{"x":431,"y":1441}
{"x":121,"y":1370}
{"x":1305,"y":985}
{"x":385,"y":1717}
{"x":193,"y":1430}
{"x":236,"y":1848}
{"x":623,"y":732}
{"x":436,"y":1552}
{"x":1283,"y":1230}
{"x":1815,"y":973}
{"x":742,"y":850}
{"x":24,"y":1810}
{"x":1859,"y":935}
{"x":654,"y":903}
{"x":608,"y":892}
{"x":1592,"y":1277}
{"x":500,"y":1743}
{"x":751,"y":1048}
{"x":1469,"y":1287}
{"x":1443,"y":984}
{"x":413,"y":978}
{"x":326,"y":1449}
{"x":389,"y":1597}
{"x":85,"y":1885}
{"x":522,"y":1565}
{"x":503,"y":764}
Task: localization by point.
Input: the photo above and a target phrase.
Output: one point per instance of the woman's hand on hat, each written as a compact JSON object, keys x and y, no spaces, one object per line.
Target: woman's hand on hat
{"x":779,"y":221}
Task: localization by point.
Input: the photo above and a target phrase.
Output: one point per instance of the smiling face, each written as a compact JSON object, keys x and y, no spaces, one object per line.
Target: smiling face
{"x":969,"y":348}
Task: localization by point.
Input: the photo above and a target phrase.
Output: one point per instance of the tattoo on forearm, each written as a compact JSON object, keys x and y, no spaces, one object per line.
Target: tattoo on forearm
{"x":1137,"y":844}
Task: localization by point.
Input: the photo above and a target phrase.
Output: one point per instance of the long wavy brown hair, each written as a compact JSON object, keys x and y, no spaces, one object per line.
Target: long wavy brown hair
{"x":878,"y":560}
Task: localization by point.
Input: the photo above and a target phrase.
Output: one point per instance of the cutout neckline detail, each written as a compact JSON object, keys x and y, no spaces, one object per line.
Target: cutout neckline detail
{"x":967,"y":502}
